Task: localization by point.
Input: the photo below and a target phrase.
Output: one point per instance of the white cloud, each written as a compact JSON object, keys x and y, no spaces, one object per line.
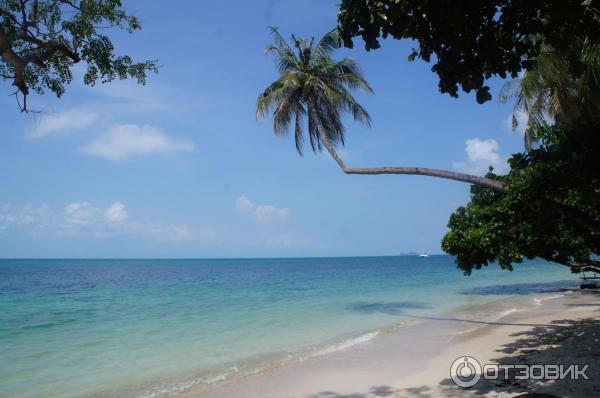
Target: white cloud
{"x":81,"y":213}
{"x":482,"y":150}
{"x":481,"y":154}
{"x":116,"y":212}
{"x":24,"y":217}
{"x":268,"y":213}
{"x":262,"y":213}
{"x":62,"y":123}
{"x":243,"y":205}
{"x":154,"y":230}
{"x":125,"y":140}
{"x":85,"y":220}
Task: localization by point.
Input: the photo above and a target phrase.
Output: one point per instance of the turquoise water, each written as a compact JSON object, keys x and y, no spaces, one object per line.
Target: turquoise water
{"x":144,"y":328}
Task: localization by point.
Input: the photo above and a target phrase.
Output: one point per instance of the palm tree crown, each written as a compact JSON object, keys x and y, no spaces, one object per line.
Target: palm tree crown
{"x":312,"y":84}
{"x":550,"y":93}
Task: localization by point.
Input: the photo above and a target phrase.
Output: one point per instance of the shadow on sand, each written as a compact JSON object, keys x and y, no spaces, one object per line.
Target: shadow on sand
{"x":520,"y":288}
{"x":560,"y":342}
{"x":388,"y":308}
{"x":401,"y":307}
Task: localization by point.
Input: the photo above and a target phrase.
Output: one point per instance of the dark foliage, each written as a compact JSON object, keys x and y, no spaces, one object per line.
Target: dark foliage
{"x":471,"y":41}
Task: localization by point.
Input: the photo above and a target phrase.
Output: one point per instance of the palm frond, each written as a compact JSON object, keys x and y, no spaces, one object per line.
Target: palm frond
{"x":328,"y":44}
{"x":284,"y":55}
{"x":269,"y":99}
{"x":529,"y":138}
{"x":510,"y":90}
{"x":286,"y":61}
{"x":348,"y":73}
{"x":343,"y":99}
{"x":280,"y":42}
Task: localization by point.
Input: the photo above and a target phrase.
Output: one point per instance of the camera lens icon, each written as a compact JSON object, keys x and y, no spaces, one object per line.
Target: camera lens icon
{"x":465,"y":371}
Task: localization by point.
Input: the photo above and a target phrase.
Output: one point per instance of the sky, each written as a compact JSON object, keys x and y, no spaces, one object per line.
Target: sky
{"x":181,"y":168}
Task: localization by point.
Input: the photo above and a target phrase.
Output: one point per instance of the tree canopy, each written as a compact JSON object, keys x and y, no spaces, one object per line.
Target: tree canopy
{"x":550,"y":210}
{"x":471,"y":41}
{"x":41,"y":40}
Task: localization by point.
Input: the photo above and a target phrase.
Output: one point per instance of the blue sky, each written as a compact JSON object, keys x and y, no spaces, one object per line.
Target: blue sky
{"x":181,"y":168}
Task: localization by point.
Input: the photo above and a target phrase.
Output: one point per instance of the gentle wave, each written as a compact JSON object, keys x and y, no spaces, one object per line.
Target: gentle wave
{"x":347,"y":344}
{"x":500,"y":313}
{"x":178,"y":388}
{"x":540,"y":300}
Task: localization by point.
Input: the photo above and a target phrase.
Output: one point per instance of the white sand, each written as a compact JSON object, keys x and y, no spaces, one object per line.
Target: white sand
{"x":415,"y":360}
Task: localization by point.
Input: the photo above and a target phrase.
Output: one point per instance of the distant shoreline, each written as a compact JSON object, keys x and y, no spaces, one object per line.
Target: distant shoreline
{"x":214,"y":258}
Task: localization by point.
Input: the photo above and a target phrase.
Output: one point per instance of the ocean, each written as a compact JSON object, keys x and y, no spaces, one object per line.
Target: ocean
{"x":151,"y":328}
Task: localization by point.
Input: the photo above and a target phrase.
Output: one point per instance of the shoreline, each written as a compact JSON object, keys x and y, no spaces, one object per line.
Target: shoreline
{"x":403,"y":328}
{"x":413,"y":360}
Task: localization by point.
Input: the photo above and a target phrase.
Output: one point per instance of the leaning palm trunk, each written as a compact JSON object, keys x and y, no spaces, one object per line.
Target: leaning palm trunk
{"x":424,"y":171}
{"x":312,"y":84}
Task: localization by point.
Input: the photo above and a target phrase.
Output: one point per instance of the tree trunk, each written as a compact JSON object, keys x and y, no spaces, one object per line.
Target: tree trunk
{"x":450,"y":175}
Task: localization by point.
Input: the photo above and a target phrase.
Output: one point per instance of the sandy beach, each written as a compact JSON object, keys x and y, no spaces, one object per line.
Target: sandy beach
{"x":414,"y":361}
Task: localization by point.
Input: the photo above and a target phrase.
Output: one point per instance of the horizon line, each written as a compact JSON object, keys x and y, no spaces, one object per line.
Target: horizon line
{"x":214,"y":258}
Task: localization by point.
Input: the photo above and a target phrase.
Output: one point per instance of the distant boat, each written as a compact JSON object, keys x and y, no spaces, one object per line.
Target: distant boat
{"x":424,"y":255}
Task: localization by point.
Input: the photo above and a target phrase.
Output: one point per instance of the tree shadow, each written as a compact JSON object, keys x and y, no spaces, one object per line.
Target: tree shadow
{"x":582,"y":305}
{"x":461,"y":320}
{"x":520,"y":288}
{"x":381,"y":392}
{"x":562,"y":342}
{"x":333,"y":394}
{"x":593,"y":294}
{"x":388,"y":308}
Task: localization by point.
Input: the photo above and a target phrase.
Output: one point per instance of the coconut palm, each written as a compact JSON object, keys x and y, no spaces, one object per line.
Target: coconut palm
{"x":549,"y":92}
{"x":312,"y":84}
{"x":315,"y":86}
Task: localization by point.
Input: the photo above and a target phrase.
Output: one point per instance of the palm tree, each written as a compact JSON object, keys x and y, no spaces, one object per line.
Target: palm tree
{"x":312,"y":84}
{"x":550,"y":93}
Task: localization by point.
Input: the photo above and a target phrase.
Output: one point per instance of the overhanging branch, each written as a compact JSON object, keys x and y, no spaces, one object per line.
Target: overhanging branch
{"x":39,"y":55}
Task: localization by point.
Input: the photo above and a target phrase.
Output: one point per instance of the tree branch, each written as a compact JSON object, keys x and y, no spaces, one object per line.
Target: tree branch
{"x":590,"y":269}
{"x":588,"y":266}
{"x":12,"y":58}
{"x":20,"y":62}
{"x":51,"y":49}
